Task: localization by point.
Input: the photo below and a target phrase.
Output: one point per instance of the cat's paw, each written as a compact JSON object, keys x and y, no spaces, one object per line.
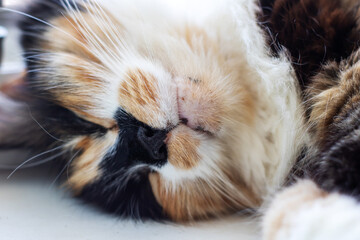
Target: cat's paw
{"x":304,"y":212}
{"x":339,"y":170}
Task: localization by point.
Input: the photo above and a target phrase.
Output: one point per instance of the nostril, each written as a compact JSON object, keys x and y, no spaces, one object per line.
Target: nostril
{"x":159,"y":153}
{"x":145,"y":133}
{"x":148,"y":133}
{"x":162,"y":151}
{"x":184,"y":121}
{"x":153,"y":142}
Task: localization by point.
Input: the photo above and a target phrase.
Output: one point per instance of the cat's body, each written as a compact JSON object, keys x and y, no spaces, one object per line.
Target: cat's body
{"x":160,"y":116}
{"x":323,"y":39}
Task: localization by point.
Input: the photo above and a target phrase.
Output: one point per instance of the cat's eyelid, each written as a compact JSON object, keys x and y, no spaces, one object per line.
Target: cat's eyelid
{"x":194,"y":80}
{"x":202,"y":129}
{"x":113,"y":128}
{"x":198,"y":128}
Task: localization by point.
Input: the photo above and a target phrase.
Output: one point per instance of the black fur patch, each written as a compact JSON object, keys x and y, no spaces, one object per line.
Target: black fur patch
{"x":44,"y":125}
{"x":124,"y":188}
{"x":337,"y":167}
{"x":126,"y":195}
{"x":313,"y":32}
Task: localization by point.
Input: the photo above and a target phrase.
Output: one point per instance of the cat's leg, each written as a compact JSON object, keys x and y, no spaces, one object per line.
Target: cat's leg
{"x":334,"y":106}
{"x":304,"y":212}
{"x":318,"y":35}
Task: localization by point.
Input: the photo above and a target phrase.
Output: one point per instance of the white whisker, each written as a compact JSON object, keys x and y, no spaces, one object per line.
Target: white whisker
{"x":63,"y":169}
{"x":32,"y":158}
{"x":30,"y":165}
{"x":33,"y":118}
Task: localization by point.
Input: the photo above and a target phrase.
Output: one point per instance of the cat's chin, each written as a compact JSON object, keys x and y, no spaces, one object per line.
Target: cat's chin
{"x":201,"y":198}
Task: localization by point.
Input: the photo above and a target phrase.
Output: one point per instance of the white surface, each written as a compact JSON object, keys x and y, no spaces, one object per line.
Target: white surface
{"x":12,"y":65}
{"x":31,"y":207}
{"x":3,"y":32}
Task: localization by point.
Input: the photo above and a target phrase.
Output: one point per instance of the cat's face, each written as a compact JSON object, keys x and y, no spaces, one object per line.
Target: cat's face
{"x":156,"y":111}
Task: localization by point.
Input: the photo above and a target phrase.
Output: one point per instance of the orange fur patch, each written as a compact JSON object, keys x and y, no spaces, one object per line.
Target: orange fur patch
{"x":77,"y":63}
{"x":85,"y":166}
{"x":74,"y":41}
{"x":138,"y":96}
{"x":182,"y":148}
{"x":84,"y":86}
{"x":193,"y":200}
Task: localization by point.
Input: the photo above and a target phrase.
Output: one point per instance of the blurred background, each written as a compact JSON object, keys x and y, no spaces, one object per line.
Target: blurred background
{"x":12,"y":64}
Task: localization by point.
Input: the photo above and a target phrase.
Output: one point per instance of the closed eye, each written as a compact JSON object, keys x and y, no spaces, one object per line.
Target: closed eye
{"x":202,"y":129}
{"x":197,"y":128}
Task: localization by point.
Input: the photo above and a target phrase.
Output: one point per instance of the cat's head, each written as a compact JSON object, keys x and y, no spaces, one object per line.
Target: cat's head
{"x":149,"y":113}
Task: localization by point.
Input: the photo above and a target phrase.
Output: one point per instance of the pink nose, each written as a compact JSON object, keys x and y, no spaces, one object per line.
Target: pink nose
{"x":187,"y":115}
{"x":198,"y":108}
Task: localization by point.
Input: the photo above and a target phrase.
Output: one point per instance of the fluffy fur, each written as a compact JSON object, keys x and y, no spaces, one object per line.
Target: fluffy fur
{"x":306,"y":212}
{"x":159,"y":116}
{"x":331,"y":96}
{"x":328,"y":68}
{"x":314,"y":32}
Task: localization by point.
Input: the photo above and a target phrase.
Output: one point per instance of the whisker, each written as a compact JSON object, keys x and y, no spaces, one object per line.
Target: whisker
{"x":33,"y":118}
{"x":63,"y":169}
{"x":9,"y":167}
{"x":46,"y":23}
{"x":32,"y":158}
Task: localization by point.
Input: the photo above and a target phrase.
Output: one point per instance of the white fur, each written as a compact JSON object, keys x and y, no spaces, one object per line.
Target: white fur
{"x":333,"y":218}
{"x":304,"y":212}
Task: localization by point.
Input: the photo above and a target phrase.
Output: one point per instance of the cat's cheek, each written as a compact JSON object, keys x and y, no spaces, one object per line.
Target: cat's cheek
{"x":183,"y":146}
{"x":184,"y":187}
{"x":185,"y":202}
{"x":85,"y":162}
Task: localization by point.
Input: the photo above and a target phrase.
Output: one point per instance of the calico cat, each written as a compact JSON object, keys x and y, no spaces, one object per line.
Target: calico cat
{"x":157,"y":114}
